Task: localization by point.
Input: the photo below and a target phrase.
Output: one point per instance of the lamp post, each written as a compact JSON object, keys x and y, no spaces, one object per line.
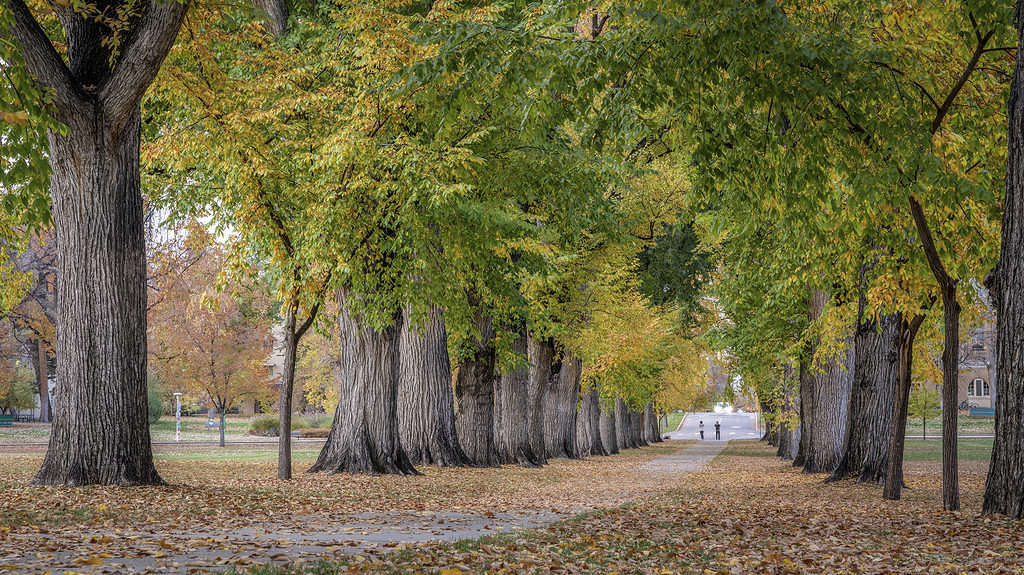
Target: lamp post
{"x":177,"y":416}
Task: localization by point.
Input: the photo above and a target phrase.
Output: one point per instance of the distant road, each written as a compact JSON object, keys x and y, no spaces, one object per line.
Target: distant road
{"x":734,"y":426}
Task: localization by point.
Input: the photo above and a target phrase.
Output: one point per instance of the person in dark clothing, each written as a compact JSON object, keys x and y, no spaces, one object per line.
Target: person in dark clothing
{"x":718,"y":430}
{"x":701,"y":428}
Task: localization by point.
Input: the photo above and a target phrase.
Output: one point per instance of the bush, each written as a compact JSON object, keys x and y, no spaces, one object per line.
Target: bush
{"x":267,"y":425}
{"x":155,"y":403}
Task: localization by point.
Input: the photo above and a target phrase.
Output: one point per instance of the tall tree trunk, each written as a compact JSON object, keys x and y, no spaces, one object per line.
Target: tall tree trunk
{"x":789,"y":432}
{"x":950,"y":359}
{"x":894,"y":468}
{"x":1004,"y":488}
{"x":588,"y":424}
{"x":560,"y":409}
{"x":426,"y":410}
{"x":651,"y":432}
{"x":101,"y":432}
{"x":875,"y":381}
{"x":364,"y":433}
{"x":608,"y":431}
{"x":511,"y":438}
{"x":223,"y":424}
{"x":831,"y":401}
{"x":43,"y":380}
{"x":284,"y":402}
{"x":623,"y":427}
{"x":474,"y":397}
{"x":541,"y":354}
{"x":808,"y":382}
{"x":636,"y":420}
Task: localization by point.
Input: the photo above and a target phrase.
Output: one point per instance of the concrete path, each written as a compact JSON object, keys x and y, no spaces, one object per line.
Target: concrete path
{"x":734,"y":426}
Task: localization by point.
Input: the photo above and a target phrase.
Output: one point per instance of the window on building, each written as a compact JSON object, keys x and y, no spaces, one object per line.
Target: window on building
{"x":978,"y":388}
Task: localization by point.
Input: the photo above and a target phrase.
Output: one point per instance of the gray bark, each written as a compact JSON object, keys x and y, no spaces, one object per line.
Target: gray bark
{"x":636,"y":420}
{"x":831,"y":393}
{"x":364,"y":434}
{"x":511,"y":438}
{"x":474,"y":397}
{"x":623,"y":426}
{"x":100,"y":433}
{"x":651,"y":432}
{"x":1004,"y":488}
{"x":560,"y":409}
{"x":894,"y":468}
{"x":875,"y":382}
{"x":607,"y":429}
{"x":541,"y":353}
{"x":588,"y":424}
{"x":426,"y":410}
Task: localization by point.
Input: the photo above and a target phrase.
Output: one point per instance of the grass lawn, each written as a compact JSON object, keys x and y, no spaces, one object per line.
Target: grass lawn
{"x":192,"y":429}
{"x":673,"y":421}
{"x":965,"y":425}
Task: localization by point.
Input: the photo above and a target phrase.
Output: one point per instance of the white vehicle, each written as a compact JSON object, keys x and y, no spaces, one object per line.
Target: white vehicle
{"x":722,"y":408}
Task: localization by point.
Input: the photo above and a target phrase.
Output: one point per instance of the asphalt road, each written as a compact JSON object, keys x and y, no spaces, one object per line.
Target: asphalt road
{"x":734,"y":426}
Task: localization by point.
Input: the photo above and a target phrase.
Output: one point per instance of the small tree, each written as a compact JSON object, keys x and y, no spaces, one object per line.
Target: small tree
{"x":924,"y":403}
{"x":17,"y":388}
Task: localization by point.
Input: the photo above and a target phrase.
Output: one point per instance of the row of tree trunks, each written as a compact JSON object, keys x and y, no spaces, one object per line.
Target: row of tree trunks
{"x":426,"y":413}
{"x":588,"y":424}
{"x":511,"y":411}
{"x":560,"y":409}
{"x":364,"y":435}
{"x":872,"y":399}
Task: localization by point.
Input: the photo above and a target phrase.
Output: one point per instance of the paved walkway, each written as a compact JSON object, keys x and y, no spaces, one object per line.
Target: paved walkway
{"x":734,"y":426}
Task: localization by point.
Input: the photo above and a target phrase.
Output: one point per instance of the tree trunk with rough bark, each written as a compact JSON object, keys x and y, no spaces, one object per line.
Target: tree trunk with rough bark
{"x":43,"y":381}
{"x":607,"y":429}
{"x":588,"y":424}
{"x":636,"y":420}
{"x":894,"y":469}
{"x":831,"y":402}
{"x":511,"y":438}
{"x":1004,"y":488}
{"x":474,"y":397}
{"x":623,"y":427}
{"x":875,"y":381}
{"x":426,"y":410}
{"x":808,"y":382}
{"x":789,"y":431}
{"x":560,"y":409}
{"x":950,"y":359}
{"x":100,"y":433}
{"x":651,"y":432}
{"x":364,"y":434}
{"x":541,"y":354}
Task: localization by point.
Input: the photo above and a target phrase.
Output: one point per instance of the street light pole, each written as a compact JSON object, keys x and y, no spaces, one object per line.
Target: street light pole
{"x":177,"y":416}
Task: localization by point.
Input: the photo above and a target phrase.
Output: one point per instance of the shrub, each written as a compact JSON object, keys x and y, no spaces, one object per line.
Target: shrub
{"x":267,"y":425}
{"x":154,"y":402}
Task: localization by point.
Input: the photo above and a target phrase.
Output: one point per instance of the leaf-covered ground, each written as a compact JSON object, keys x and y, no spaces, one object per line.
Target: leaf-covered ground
{"x":749,"y":513}
{"x":222,"y":506}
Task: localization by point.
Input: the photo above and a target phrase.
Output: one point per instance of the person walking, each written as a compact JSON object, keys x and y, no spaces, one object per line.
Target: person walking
{"x":718,"y":430}
{"x":701,"y":428}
